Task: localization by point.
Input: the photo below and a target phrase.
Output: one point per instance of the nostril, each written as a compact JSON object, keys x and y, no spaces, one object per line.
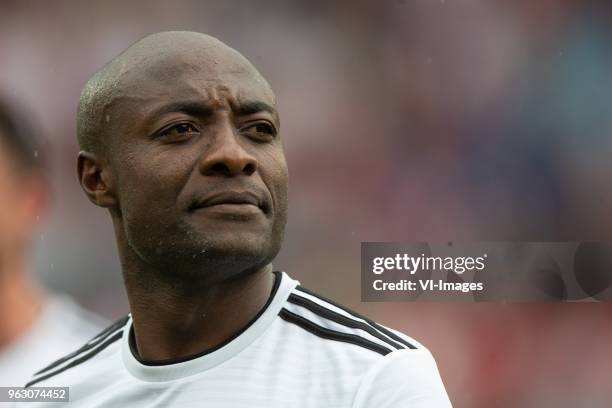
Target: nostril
{"x":219,"y":168}
{"x":227,"y":166}
{"x":249,"y":169}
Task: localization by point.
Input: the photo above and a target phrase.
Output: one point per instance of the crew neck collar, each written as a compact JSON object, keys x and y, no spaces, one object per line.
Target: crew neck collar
{"x":180,"y":368}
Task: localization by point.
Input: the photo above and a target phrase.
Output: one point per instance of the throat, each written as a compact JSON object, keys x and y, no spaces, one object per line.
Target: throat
{"x":170,"y":327}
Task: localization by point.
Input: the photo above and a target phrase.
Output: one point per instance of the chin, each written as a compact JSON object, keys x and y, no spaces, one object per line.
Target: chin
{"x":233,"y":248}
{"x":220,"y":257}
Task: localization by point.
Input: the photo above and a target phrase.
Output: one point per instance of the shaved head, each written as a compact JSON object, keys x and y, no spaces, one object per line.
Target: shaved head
{"x":158,"y":57}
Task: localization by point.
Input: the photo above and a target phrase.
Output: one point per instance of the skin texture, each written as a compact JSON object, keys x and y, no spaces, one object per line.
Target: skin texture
{"x":181,"y":144}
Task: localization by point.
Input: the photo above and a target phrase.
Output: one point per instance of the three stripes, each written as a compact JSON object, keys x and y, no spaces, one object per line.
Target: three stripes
{"x":361,"y":331}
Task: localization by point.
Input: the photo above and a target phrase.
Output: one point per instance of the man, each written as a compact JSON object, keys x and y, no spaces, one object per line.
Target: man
{"x":180,"y":142}
{"x":35,"y":328}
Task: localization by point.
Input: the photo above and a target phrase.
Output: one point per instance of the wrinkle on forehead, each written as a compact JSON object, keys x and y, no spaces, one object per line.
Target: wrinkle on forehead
{"x":133,"y":99}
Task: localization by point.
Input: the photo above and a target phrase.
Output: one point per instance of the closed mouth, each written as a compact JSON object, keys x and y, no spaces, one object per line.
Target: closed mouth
{"x":229,"y":197}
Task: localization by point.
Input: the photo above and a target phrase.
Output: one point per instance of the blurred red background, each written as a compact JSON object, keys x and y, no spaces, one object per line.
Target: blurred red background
{"x":407,"y":120}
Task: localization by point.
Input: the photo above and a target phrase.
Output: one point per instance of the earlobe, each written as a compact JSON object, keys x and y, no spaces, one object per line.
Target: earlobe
{"x":95,"y":180}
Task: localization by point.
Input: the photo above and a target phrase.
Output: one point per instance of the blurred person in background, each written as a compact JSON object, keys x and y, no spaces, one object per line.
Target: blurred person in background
{"x":35,"y":327}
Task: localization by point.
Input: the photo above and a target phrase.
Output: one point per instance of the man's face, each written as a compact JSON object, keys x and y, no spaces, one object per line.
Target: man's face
{"x":198,"y":165}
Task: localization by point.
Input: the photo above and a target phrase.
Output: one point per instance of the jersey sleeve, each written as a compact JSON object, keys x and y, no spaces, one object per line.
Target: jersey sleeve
{"x":403,"y":379}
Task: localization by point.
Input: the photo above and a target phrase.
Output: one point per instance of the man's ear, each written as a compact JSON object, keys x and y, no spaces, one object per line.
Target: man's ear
{"x":95,"y":180}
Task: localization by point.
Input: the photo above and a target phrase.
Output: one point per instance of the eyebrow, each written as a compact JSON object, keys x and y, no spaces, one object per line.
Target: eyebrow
{"x":188,"y":107}
{"x":196,"y":108}
{"x":251,"y":107}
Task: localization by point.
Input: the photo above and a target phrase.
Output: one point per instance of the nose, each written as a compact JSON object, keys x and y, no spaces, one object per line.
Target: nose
{"x":225,"y":156}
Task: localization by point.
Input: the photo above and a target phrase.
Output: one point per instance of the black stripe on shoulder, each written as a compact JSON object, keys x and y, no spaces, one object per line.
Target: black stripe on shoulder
{"x":340,"y":319}
{"x":97,"y":339}
{"x":331,"y":334}
{"x":110,"y":340}
{"x":116,"y":325}
{"x":372,"y":323}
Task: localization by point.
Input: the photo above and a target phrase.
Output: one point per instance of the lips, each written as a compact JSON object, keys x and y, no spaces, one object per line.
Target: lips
{"x":229,"y":197}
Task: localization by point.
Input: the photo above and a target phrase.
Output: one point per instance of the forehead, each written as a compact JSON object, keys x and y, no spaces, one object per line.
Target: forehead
{"x":209,"y":75}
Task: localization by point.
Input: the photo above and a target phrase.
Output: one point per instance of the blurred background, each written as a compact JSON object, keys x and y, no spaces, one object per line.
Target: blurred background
{"x":403,"y":120}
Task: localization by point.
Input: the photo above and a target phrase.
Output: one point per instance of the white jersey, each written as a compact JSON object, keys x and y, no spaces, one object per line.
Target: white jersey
{"x":300,"y":351}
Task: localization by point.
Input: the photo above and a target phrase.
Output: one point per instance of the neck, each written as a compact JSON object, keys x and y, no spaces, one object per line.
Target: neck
{"x":173,"y":320}
{"x":20,"y":300}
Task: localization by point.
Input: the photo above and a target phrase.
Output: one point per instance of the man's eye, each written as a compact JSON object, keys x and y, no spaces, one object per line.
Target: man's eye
{"x":179,"y":131}
{"x":261,"y":130}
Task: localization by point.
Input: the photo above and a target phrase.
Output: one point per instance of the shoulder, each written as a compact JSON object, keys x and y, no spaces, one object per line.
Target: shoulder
{"x":328,"y":320}
{"x":396,"y":369}
{"x":85,"y":353}
{"x":391,"y":369}
{"x":403,"y":378}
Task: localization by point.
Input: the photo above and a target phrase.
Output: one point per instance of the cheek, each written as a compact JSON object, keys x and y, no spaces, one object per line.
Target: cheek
{"x":276,"y":177}
{"x":150,"y":187}
{"x":150,"y":211}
